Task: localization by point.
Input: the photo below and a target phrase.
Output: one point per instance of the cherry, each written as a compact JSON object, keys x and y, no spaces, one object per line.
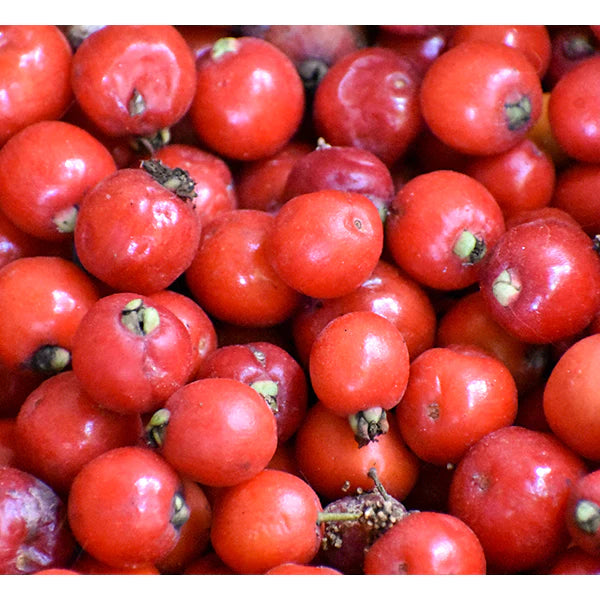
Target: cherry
{"x":370,"y":99}
{"x":533,"y":273}
{"x":345,"y":168}
{"x":35,"y":534}
{"x":353,"y":523}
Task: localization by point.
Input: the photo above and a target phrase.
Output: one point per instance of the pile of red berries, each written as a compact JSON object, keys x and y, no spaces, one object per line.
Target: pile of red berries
{"x":300,"y":299}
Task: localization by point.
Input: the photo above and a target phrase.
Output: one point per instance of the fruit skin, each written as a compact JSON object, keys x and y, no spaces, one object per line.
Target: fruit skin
{"x":272,"y":371}
{"x":247,"y":532}
{"x":454,"y":397}
{"x":128,"y":370}
{"x":426,"y":543}
{"x":359,"y":361}
{"x":35,"y":89}
{"x":570,"y":398}
{"x":249,"y":100}
{"x":426,"y":220}
{"x":325,"y":244}
{"x":370,"y":99}
{"x":573,"y":111}
{"x":231,"y":276}
{"x":34,"y":533}
{"x":532,"y":275}
{"x":467,"y":94}
{"x":122,"y":507}
{"x":59,"y":429}
{"x":118,"y":62}
{"x":135,"y":235}
{"x":583,"y":513}
{"x":331,"y":460}
{"x":43,"y":299}
{"x":219,"y":432}
{"x":511,"y":489}
{"x":45,"y":170}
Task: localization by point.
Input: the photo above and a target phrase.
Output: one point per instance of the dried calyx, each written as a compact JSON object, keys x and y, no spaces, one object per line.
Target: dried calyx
{"x":368,"y":424}
{"x":358,"y":519}
{"x":175,"y":180}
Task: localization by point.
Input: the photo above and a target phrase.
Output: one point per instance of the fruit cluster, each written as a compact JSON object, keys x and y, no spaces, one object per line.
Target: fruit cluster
{"x":300,"y":299}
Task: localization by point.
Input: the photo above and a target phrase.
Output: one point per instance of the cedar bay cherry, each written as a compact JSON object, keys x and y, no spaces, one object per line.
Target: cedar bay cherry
{"x":35,"y":534}
{"x":136,"y":231}
{"x":242,"y":84}
{"x":325,"y":244}
{"x":134,"y":80}
{"x":351,"y":524}
{"x":42,"y":300}
{"x":532,"y":275}
{"x":370,"y":99}
{"x":440,"y":227}
{"x":583,"y":513}
{"x":272,"y":372}
{"x":482,"y":105}
{"x":127,"y":485}
{"x":149,"y":344}
{"x":359,"y":369}
{"x":35,"y":90}
{"x":216,"y":431}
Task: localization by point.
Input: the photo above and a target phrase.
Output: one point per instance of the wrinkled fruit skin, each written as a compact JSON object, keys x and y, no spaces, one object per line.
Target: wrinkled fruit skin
{"x":34,"y":534}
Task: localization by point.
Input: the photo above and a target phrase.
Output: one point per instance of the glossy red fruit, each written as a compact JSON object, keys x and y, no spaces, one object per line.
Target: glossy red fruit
{"x":194,"y":535}
{"x":125,"y":486}
{"x":422,"y":50}
{"x":272,"y":372}
{"x":344,"y":168}
{"x":35,"y":534}
{"x":15,"y":243}
{"x":511,"y":489}
{"x":570,"y":398}
{"x":45,"y":170}
{"x":370,"y":99}
{"x":440,"y":227}
{"x":249,"y":99}
{"x":43,"y":299}
{"x":359,"y":362}
{"x":573,"y":111}
{"x":59,"y":429}
{"x":216,"y":431}
{"x":570,"y":45}
{"x":469,"y":322}
{"x":134,"y":234}
{"x":314,"y":48}
{"x":481,"y":97}
{"x":298,"y":569}
{"x":532,"y":275}
{"x":532,"y":40}
{"x":134,"y":79}
{"x":35,"y":88}
{"x":325,"y":244}
{"x":150,"y":345}
{"x":246,"y":531}
{"x":231,"y":276}
{"x":426,"y":543}
{"x":574,"y":561}
{"x":454,"y":397}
